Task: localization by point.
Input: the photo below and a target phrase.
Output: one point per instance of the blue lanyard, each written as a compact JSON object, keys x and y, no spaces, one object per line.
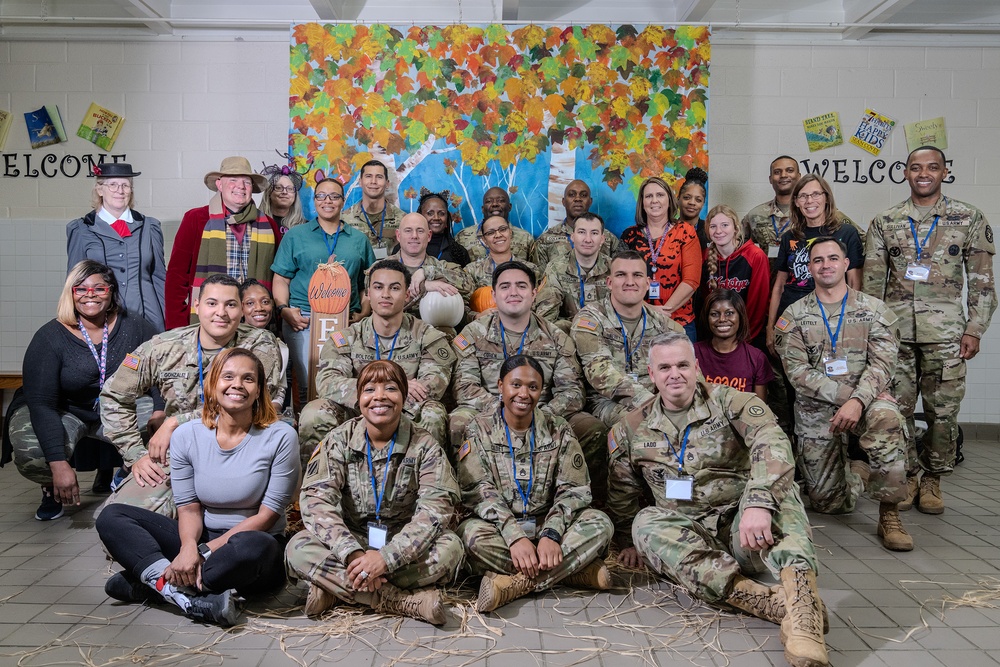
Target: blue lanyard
{"x":201,"y":373}
{"x":684,"y":444}
{"x":378,"y":345}
{"x":920,"y":246}
{"x":653,"y":255}
{"x":326,"y":239}
{"x":631,"y":353}
{"x":779,"y":232}
{"x":834,"y":335}
{"x":385,"y":473}
{"x":503,"y":339}
{"x":381,"y":227}
{"x":531,"y":463}
{"x":580,"y":276}
{"x":102,"y":358}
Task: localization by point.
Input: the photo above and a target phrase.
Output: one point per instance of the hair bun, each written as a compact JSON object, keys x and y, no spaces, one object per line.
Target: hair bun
{"x":696,"y":175}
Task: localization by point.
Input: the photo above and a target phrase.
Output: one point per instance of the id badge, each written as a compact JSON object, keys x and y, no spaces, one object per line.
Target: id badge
{"x":835,"y":367}
{"x":679,"y":487}
{"x":529,"y":527}
{"x":654,"y":290}
{"x":634,"y":377}
{"x":589,"y":293}
{"x":377,"y":535}
{"x":381,"y":252}
{"x":522,"y":472}
{"x":772,"y":252}
{"x":918,"y":272}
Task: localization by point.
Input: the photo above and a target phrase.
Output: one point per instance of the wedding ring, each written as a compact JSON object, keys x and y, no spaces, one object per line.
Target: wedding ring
{"x":364,"y":575}
{"x":760,"y":537}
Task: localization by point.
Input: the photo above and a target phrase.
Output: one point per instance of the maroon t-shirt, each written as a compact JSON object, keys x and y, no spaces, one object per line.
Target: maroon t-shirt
{"x":742,"y":369}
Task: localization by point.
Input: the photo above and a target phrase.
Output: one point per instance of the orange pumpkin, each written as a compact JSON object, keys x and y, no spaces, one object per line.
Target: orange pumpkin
{"x":482,"y":299}
{"x":330,"y":289}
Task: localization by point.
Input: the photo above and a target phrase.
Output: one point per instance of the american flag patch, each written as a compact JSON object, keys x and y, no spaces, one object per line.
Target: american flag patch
{"x":461,"y":342}
{"x":465,"y":449}
{"x":131,"y":361}
{"x":612,"y":445}
{"x":584,"y":323}
{"x":338,"y":339}
{"x":782,"y":324}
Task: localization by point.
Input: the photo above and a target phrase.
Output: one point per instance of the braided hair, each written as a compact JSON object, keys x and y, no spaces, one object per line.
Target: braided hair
{"x":712,"y":258}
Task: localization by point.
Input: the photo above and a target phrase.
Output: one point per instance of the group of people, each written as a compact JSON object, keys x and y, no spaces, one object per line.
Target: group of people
{"x":587,"y":404}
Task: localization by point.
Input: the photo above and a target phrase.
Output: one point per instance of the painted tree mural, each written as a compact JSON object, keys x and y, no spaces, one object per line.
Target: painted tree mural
{"x":620,"y":103}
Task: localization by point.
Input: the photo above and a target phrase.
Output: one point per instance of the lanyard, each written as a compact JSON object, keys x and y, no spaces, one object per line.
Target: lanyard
{"x":531,"y":463}
{"x":326,"y":239}
{"x":385,"y":475}
{"x":654,"y":254}
{"x":381,"y":227}
{"x":378,"y":344}
{"x":920,"y":246}
{"x":579,"y":275}
{"x":631,"y":353}
{"x":201,"y":373}
{"x":102,"y":359}
{"x":684,"y":444}
{"x":503,"y":339}
{"x":779,"y":232}
{"x":834,"y":335}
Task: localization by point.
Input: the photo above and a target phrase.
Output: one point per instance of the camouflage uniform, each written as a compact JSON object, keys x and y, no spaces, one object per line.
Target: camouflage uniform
{"x":739,"y":458}
{"x":355,"y":217}
{"x":520,"y":244}
{"x":614,"y":387}
{"x":481,"y":354}
{"x":932,"y":320}
{"x":869,"y":340}
{"x":422,"y":352}
{"x":558,"y":500}
{"x":557,"y":241}
{"x":558,"y":298}
{"x":338,"y":503}
{"x":480,"y":271}
{"x":169,"y":362}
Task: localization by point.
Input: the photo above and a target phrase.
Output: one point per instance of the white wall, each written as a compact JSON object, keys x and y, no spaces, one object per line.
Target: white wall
{"x":190,"y":104}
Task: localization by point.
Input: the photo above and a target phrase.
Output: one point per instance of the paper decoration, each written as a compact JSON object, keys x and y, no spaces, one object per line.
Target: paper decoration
{"x":101,"y":126}
{"x":6,"y":120}
{"x":823,"y":131}
{"x":926,"y":133}
{"x":873,"y":133}
{"x":45,"y":126}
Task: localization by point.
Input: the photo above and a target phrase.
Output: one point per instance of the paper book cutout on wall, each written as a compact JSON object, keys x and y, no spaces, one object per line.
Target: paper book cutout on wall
{"x":101,"y":126}
{"x":872,"y":134}
{"x":823,"y":131}
{"x":6,"y":120}
{"x":926,"y":133}
{"x":45,"y":126}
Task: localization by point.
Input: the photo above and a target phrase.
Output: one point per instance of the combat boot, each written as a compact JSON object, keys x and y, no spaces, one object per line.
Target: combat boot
{"x":423,"y":604}
{"x":318,"y":600}
{"x":802,"y":627}
{"x":497,"y":590}
{"x":766,"y":602}
{"x":890,"y":529}
{"x":930,"y":501}
{"x":912,"y":492}
{"x":595,"y":576}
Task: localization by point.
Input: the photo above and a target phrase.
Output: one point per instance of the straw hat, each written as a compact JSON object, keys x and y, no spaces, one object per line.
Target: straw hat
{"x":235,"y":166}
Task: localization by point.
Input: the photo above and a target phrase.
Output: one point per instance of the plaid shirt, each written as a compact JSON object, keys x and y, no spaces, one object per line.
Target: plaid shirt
{"x":237,"y":254}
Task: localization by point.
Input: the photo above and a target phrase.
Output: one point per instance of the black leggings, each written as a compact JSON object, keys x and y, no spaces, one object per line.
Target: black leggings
{"x":251,"y":561}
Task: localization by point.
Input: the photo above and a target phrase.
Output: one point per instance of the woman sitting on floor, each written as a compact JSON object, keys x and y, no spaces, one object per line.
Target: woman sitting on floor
{"x":233,"y":474}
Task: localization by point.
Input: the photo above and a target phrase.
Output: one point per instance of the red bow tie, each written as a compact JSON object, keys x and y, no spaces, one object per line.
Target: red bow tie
{"x":121,"y":227}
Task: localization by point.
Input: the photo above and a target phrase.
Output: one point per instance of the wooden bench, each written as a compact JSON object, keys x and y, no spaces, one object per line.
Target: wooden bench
{"x":8,"y":381}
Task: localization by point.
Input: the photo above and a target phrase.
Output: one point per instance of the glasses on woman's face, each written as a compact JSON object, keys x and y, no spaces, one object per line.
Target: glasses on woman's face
{"x":99,"y":290}
{"x":118,"y":187}
{"x":323,"y":196}
{"x":806,"y":196}
{"x":284,"y":188}
{"x":493,"y":232}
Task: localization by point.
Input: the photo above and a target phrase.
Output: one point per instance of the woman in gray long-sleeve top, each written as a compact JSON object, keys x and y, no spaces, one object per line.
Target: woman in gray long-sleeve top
{"x":233,"y":474}
{"x":120,"y":237}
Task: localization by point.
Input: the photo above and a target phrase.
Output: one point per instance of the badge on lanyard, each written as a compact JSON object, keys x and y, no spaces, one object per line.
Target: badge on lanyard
{"x":634,"y":377}
{"x":772,"y":251}
{"x":378,"y":535}
{"x":654,"y":291}
{"x":679,"y":487}
{"x":834,"y":364}
{"x":918,"y":271}
{"x":381,"y":252}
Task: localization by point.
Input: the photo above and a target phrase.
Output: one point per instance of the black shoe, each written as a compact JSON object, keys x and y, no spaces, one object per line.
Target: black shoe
{"x":102,"y":481}
{"x":119,"y":477}
{"x":50,"y":508}
{"x":122,"y":587}
{"x":217,"y":608}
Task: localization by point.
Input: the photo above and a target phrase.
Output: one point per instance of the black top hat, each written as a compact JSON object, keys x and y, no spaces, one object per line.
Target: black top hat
{"x":115,"y":170}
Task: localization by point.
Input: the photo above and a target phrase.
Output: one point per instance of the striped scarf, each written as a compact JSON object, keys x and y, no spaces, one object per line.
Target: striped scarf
{"x":220,"y":252}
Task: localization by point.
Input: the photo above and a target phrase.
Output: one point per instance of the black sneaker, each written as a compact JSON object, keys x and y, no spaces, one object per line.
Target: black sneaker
{"x":50,"y":508}
{"x":217,"y":608}
{"x":102,"y":481}
{"x":122,"y":587}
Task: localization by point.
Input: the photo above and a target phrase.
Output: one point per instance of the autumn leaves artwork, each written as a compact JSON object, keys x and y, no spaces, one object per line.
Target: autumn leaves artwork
{"x":528,"y":109}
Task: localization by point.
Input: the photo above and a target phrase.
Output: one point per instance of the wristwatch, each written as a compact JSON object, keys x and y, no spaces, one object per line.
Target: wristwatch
{"x":279,"y":308}
{"x":204,"y":550}
{"x":551,"y":534}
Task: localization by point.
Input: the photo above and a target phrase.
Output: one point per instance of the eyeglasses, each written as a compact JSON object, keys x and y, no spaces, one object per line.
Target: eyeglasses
{"x":284,"y":188}
{"x":99,"y":290}
{"x":493,"y":232}
{"x":118,"y":187}
{"x":806,"y":196}
{"x":332,"y":196}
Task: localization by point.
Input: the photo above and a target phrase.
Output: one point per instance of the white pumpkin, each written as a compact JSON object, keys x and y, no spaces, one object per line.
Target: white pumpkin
{"x":439,"y":310}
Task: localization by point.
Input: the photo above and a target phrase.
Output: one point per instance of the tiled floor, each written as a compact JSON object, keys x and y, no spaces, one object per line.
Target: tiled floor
{"x":885,"y":608}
